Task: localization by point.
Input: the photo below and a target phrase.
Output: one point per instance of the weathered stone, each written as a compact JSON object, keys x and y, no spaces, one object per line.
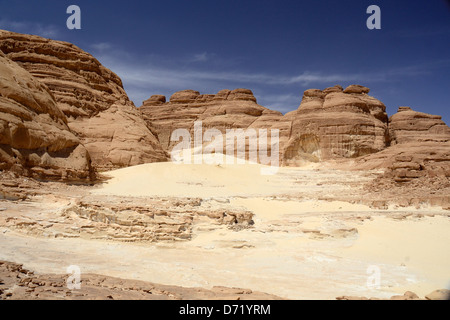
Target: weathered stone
{"x":336,"y":125}
{"x":357,"y":89}
{"x":411,"y":126}
{"x":35,"y":139}
{"x":236,"y":109}
{"x":441,"y":294}
{"x":92,"y":98}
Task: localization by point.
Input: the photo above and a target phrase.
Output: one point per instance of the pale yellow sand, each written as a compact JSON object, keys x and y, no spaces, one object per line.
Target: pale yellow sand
{"x":192,"y":180}
{"x":420,"y":245}
{"x":300,"y":247}
{"x":283,"y":261}
{"x":412,"y":254}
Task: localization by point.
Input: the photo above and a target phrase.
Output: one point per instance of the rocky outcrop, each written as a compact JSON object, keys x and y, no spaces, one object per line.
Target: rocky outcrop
{"x":228,"y":109}
{"x":441,"y":294}
{"x":336,"y":123}
{"x":358,"y":89}
{"x":408,"y":125}
{"x":92,"y":98}
{"x":35,"y":139}
{"x":420,"y":149}
{"x":329,"y":123}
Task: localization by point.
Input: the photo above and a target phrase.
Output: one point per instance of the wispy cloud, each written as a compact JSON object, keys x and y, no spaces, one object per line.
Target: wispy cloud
{"x":200,"y":57}
{"x":101,"y":47}
{"x":46,"y":31}
{"x":153,"y":75}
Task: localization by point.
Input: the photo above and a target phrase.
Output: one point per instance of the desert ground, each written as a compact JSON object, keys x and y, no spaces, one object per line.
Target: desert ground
{"x":359,"y":207}
{"x":311,"y":232}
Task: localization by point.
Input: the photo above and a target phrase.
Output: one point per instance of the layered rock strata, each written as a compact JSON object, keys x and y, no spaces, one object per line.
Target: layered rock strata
{"x":336,"y":123}
{"x":92,"y":98}
{"x":328,"y":124}
{"x":420,"y":147}
{"x":35,"y":139}
{"x":228,"y":109}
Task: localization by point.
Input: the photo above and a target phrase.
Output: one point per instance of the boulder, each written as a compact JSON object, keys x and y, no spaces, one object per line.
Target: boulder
{"x":357,"y":89}
{"x":155,"y":100}
{"x":336,"y":88}
{"x":184,"y":96}
{"x":441,"y":294}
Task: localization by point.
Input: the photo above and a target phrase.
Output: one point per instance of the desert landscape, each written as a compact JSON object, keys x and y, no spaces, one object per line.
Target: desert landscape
{"x":358,"y":207}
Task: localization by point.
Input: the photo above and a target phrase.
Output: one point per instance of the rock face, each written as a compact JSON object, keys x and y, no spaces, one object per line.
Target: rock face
{"x":61,"y":109}
{"x":92,"y":98}
{"x":420,"y":148}
{"x":424,"y":143}
{"x":408,"y":125}
{"x":236,"y":109}
{"x":333,"y":123}
{"x":336,"y":123}
{"x":35,"y":139}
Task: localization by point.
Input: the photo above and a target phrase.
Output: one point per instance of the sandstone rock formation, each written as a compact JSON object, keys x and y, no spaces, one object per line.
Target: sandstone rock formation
{"x":105,"y":217}
{"x":333,"y":123}
{"x":236,"y":109}
{"x":408,"y":125}
{"x":417,"y":164}
{"x":97,"y":116}
{"x":18,"y":283}
{"x":330,"y":123}
{"x":336,"y":123}
{"x":92,"y":98}
{"x":420,"y":147}
{"x":35,"y":139}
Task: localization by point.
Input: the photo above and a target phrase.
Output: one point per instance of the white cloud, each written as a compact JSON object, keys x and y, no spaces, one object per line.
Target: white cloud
{"x":101,"y":47}
{"x":200,"y":57}
{"x":46,"y":31}
{"x":143,"y":77}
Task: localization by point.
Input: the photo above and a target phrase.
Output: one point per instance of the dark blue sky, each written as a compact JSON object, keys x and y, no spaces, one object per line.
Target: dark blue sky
{"x":276,"y":48}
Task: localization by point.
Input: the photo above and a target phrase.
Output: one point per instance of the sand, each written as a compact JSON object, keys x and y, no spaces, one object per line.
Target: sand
{"x":308,"y":240}
{"x":183,"y":180}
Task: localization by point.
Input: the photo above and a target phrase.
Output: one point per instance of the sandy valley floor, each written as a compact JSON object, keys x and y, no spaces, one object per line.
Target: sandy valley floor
{"x":304,"y":233}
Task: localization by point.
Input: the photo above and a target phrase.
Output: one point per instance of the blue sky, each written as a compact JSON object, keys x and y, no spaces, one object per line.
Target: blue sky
{"x":276,"y":48}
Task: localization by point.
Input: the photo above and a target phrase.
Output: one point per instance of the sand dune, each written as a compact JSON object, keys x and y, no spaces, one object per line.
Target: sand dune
{"x":198,"y":180}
